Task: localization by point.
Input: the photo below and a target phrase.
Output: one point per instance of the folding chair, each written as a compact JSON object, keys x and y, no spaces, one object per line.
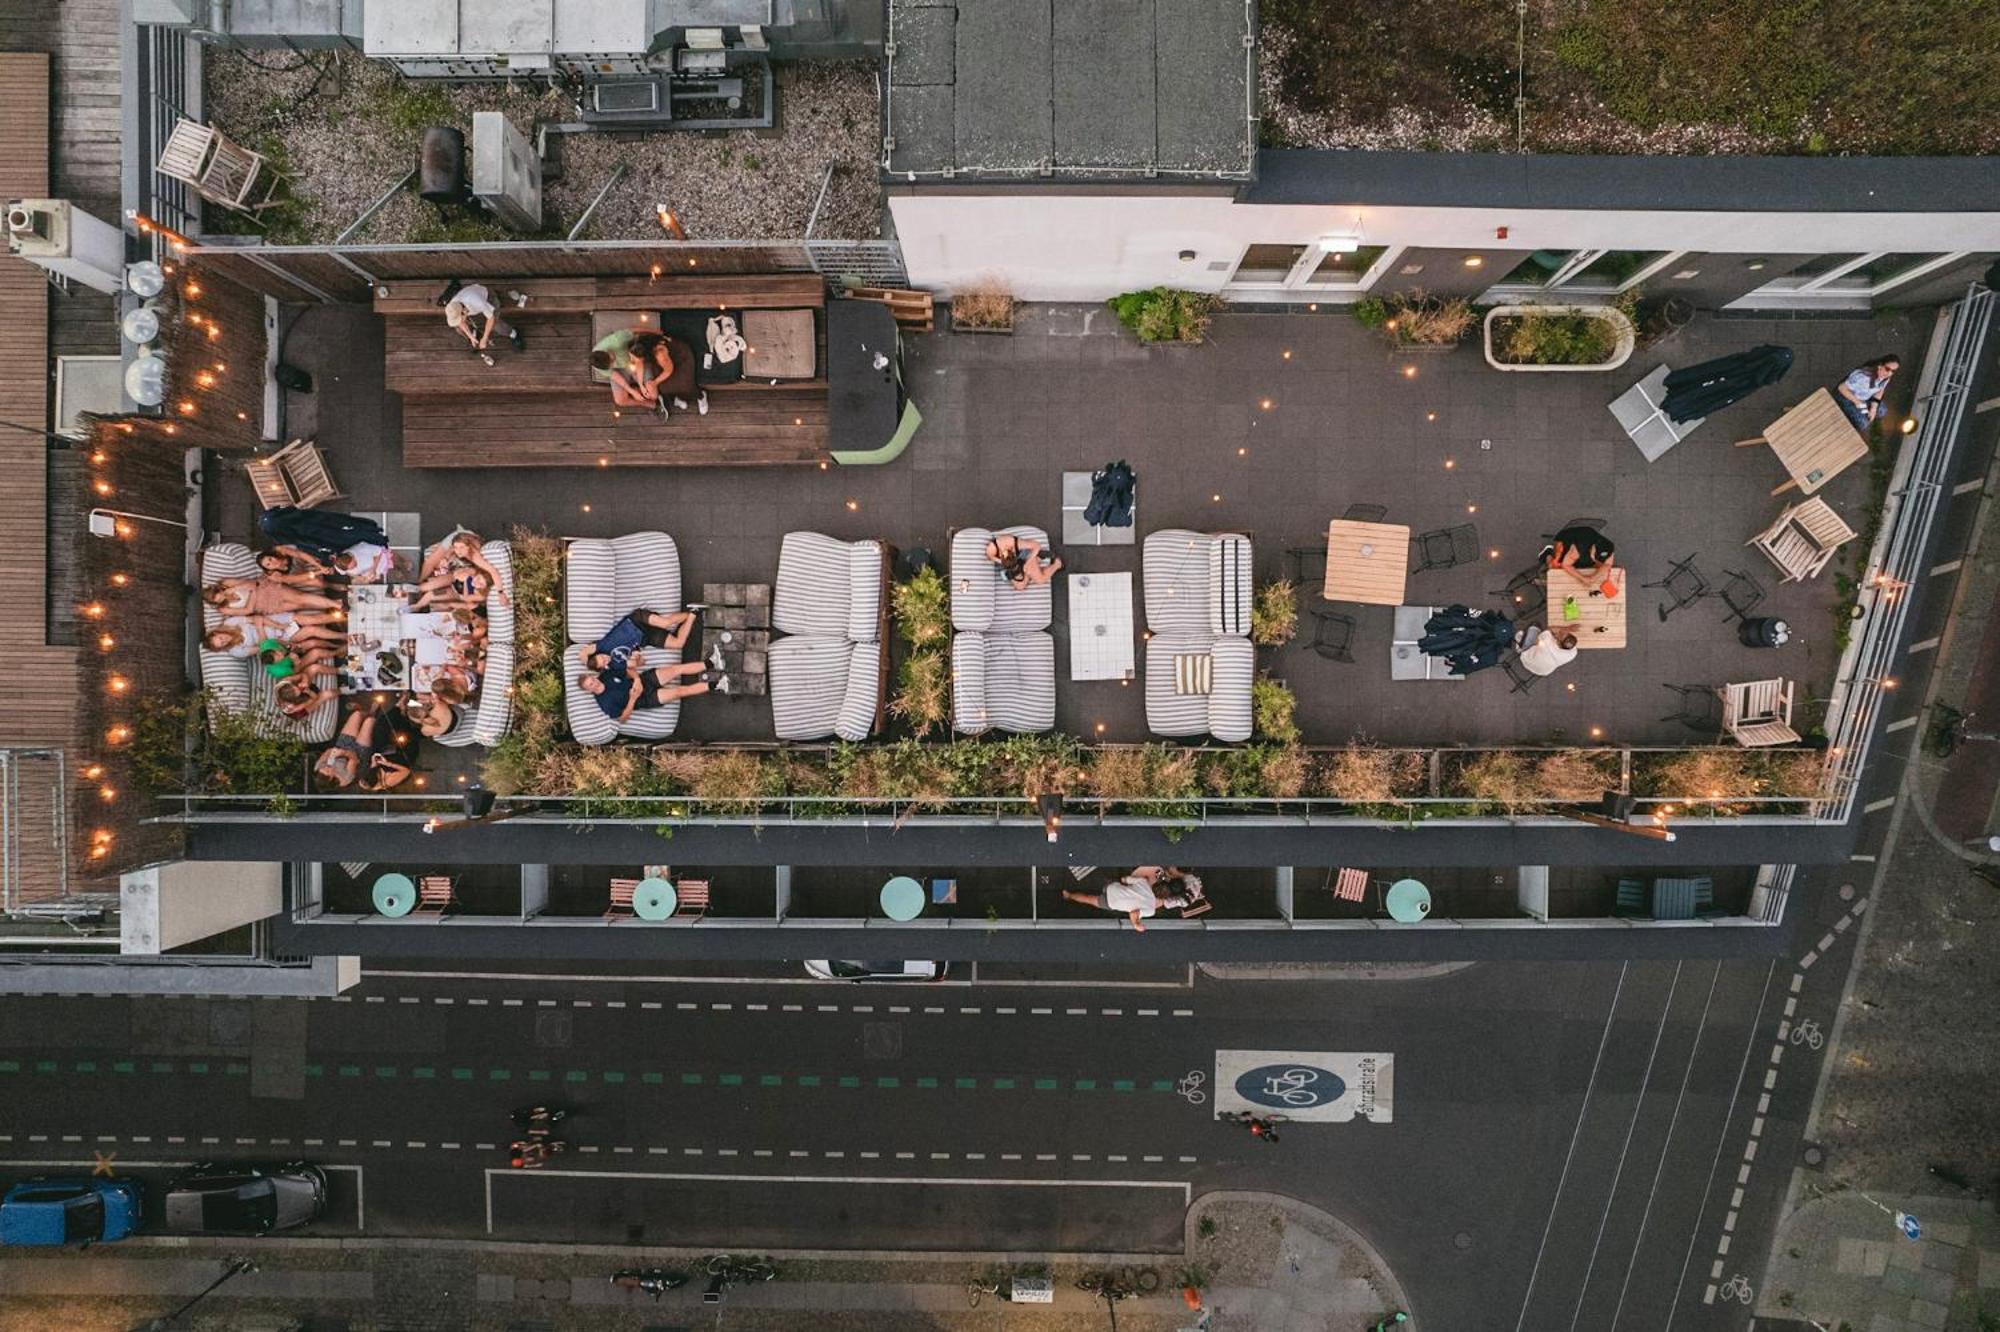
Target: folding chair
{"x":1523,"y":678}
{"x":1445,"y":548}
{"x":1684,"y":585}
{"x":1803,"y":539}
{"x":221,"y":172}
{"x":1333,"y":636}
{"x":1521,"y":584}
{"x":1350,"y":885}
{"x":620,"y":905}
{"x":1308,"y":564}
{"x":1365,"y":513}
{"x":1759,"y":713}
{"x":1696,"y":708}
{"x":1742,"y":594}
{"x":1631,"y":898}
{"x":294,"y":476}
{"x":434,"y":896}
{"x":692,"y":898}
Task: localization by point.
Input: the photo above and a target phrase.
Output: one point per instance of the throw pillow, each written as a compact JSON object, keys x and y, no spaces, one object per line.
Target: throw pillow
{"x":1194,"y":673}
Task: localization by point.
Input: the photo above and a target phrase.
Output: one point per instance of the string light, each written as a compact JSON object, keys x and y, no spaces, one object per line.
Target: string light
{"x":105,"y":642}
{"x":120,"y":579}
{"x":118,"y":684}
{"x":107,"y":793}
{"x":118,"y":735}
{"x":93,"y":771}
{"x":93,"y":610}
{"x":101,"y":487}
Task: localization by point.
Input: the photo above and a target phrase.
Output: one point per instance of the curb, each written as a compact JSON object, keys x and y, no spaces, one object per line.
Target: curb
{"x":404,"y":1244}
{"x":1285,"y":1203}
{"x":1330,"y":971}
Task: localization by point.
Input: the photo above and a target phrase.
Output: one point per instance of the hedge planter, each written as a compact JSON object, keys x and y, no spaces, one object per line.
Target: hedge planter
{"x":1618,"y":335}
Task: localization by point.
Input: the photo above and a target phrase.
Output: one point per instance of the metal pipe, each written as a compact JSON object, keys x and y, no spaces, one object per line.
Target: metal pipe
{"x":583,"y":220}
{"x":368,"y":213}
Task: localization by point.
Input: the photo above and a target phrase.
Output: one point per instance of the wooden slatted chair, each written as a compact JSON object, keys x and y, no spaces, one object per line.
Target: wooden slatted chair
{"x":620,"y":905}
{"x":1759,"y":713}
{"x":435,"y":895}
{"x":295,"y":475}
{"x":1351,"y":885}
{"x":221,"y":171}
{"x":1803,"y":539}
{"x":691,"y":898}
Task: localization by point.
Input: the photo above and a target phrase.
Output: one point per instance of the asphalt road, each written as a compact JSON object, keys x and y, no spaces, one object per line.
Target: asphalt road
{"x":1564,"y":1143}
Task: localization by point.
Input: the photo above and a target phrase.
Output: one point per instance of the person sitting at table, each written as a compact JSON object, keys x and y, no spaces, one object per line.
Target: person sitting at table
{"x":431,"y":714}
{"x":621,"y":645}
{"x":452,"y":590}
{"x":1544,"y":652}
{"x":453,"y":684}
{"x":282,"y":661}
{"x":262,"y":596}
{"x":1860,"y":394}
{"x":364,"y":754}
{"x":1142,"y":893}
{"x":1021,"y":560}
{"x":462,"y":551}
{"x":366,"y":562}
{"x":299,"y":695}
{"x":648,"y":369}
{"x":1582,"y":550}
{"x":621,"y":694}
{"x":243,"y":635}
{"x":294,"y":568}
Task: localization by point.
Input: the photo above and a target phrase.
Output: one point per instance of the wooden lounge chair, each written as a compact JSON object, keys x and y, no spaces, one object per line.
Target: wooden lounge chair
{"x":221,"y":172}
{"x":1803,"y":539}
{"x":435,"y":896}
{"x":294,"y":476}
{"x":1631,"y":898}
{"x":620,"y":905}
{"x":1759,"y":713}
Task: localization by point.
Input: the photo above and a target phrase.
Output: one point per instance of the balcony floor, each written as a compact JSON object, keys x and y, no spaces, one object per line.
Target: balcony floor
{"x":1004,"y":417}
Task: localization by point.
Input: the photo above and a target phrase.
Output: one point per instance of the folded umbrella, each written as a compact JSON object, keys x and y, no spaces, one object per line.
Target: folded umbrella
{"x":1701,"y":390}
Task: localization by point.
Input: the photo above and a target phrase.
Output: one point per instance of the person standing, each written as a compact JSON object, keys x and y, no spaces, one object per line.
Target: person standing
{"x":471,"y":311}
{"x":1860,"y":394}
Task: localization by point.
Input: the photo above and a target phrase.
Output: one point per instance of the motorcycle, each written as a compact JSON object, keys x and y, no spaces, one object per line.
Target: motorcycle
{"x":533,"y":1153}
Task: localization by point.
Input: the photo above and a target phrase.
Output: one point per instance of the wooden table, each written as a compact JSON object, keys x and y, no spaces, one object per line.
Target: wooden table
{"x":1814,"y":440}
{"x":1600,"y":621}
{"x":1366,"y":562}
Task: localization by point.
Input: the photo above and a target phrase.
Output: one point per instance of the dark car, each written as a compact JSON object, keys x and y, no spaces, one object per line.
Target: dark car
{"x":232,"y":1198}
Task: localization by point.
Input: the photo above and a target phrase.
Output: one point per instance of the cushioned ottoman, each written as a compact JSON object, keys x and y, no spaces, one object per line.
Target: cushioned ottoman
{"x":781,"y":344}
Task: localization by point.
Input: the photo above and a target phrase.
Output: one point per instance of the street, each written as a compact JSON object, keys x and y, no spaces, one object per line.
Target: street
{"x":1566,"y":1146}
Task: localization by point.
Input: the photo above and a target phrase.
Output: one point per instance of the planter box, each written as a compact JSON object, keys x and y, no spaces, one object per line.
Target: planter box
{"x":957,"y":327}
{"x":1627,"y":336}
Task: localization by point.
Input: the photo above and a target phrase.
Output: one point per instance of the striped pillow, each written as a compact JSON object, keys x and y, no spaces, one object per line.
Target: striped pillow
{"x":1229,"y":570}
{"x":1194,"y":673}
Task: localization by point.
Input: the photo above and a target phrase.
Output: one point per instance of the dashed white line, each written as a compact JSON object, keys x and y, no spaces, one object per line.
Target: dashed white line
{"x":510,"y":1003}
{"x":795,"y":1008}
{"x":687,"y":1007}
{"x":1840,"y":926}
{"x":1152,"y":1158}
{"x":1729,"y":1222}
{"x":1079,"y":1156}
{"x":760,"y":1151}
{"x":1874,"y":806}
{"x":650,"y":1003}
{"x":1715,"y":1272}
{"x":1825,"y":942}
{"x":721,"y":1008}
{"x":170,"y":1138}
{"x":1183,"y":1012}
{"x":377,"y":999}
{"x":940,"y":1156}
{"x":1010,"y":1156}
{"x":797,"y":1153}
{"x":1777,"y":1054}
{"x":1077,"y":1012}
{"x":899,"y":1008}
{"x":580,"y":1003}
{"x":725,"y":1151}
{"x":871,"y":1156}
{"x":1112,"y":1012}
{"x":975,"y":1156}
{"x":310,"y":1142}
{"x":383,"y":1142}
{"x":621,"y":1151}
{"x":614,"y":1003}
{"x":476,"y":1003}
{"x":690,"y":1151}
{"x":137,"y":1137}
{"x":416,"y":1146}
{"x":1757,"y":1127}
{"x":1750,"y":1150}
{"x":1149,"y":1012}
{"x":1770,"y":1078}
{"x":1736,"y":1198}
{"x":588,"y":1149}
{"x":409,"y":998}
{"x":1903,"y":725}
{"x":970,"y":1012}
{"x":1007,"y":1011}
{"x":1117,"y":1158}
{"x":449,"y":1146}
{"x":1925,"y":646}
{"x":106,"y":1137}
{"x":1764,"y":1104}
{"x":757,"y":1008}
{"x":1187,"y":1160}
{"x":864,"y":1008}
{"x":1042,"y":1012}
{"x":1808,"y":960}
{"x":828,"y":1008}
{"x":1723,"y":1247}
{"x":659,"y":1151}
{"x":1045,"y":1156}
{"x":1949,"y":566}
{"x":906,"y":1156}
{"x":477,"y":1146}
{"x":1791,"y":1005}
{"x":1798,"y":983}
{"x":1978,"y":482}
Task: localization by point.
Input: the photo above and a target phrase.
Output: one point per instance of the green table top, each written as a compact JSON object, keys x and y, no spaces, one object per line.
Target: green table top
{"x":1409,"y":901}
{"x":902,"y":898}
{"x":654,"y":899}
{"x":394,"y":894}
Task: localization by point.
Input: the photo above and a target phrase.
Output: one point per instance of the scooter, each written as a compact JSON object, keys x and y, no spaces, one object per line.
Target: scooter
{"x":655,"y":1281}
{"x":539,"y":1121}
{"x":534,"y":1153}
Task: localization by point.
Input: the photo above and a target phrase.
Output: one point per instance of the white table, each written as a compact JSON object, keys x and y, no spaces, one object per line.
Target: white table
{"x":1100,"y":626}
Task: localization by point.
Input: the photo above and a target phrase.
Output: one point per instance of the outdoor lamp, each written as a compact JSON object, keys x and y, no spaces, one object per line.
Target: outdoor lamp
{"x":1050,"y":803}
{"x":104,"y":522}
{"x":1339,"y":244}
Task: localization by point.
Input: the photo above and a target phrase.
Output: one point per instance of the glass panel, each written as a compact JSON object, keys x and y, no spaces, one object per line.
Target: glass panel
{"x":1821,"y":263}
{"x":1267,"y":263}
{"x":1614,"y":268}
{"x":1347,"y":269}
{"x":1538,"y":268}
{"x":1883,"y":268}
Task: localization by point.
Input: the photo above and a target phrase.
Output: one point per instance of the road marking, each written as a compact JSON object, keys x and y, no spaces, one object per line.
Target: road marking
{"x":477,"y":1003}
{"x":721,"y":1008}
{"x":864,"y":1008}
{"x":1791,"y":1005}
{"x":893,"y":1008}
{"x":1808,"y":960}
{"x":1187,"y":1160}
{"x":900,"y":1156}
{"x":1868,"y":860}
{"x":1154,"y":1158}
{"x":1723,"y":1247}
{"x":1770,"y":1078}
{"x":510,"y":1003}
{"x":1798,"y":983}
{"x":580,"y":1003}
{"x":1079,"y":1156}
{"x":649,"y":1003}
{"x":1113,"y":1012}
{"x":828,"y":1008}
{"x":1757,"y":1127}
{"x":1015,"y":1156}
{"x":350,"y":1142}
{"x":1010,"y":1012}
{"x":970,"y":1012}
{"x":866,"y":1156}
{"x":690,"y":1151}
{"x":1077,"y":1012}
{"x":1045,"y":1156}
{"x":687,"y":1008}
{"x":1736,"y":1198}
{"x":1568,"y":1157}
{"x":409,"y":998}
{"x":1978,"y":482}
{"x":1750,"y":1150}
{"x":1042,"y":1012}
{"x":1903,"y":725}
{"x":1715,"y":1272}
{"x":377,"y":999}
{"x":1874,"y":806}
{"x":1149,"y":1012}
{"x":1729,"y":1222}
{"x":443,"y":999}
{"x":1924,"y":646}
{"x":449,"y":1146}
{"x":1949,"y":566}
{"x":1764,"y":1104}
{"x":789,"y":1008}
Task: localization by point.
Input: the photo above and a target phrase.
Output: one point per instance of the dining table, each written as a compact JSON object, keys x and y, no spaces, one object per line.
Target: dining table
{"x":1366,"y":562}
{"x":902,"y":898}
{"x":1814,"y":441}
{"x":1579,"y":603}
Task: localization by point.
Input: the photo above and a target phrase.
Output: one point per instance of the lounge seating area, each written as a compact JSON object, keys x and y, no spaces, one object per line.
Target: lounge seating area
{"x":1199,"y":662}
{"x":1003,"y":658}
{"x":604,"y":581}
{"x":830,"y":671}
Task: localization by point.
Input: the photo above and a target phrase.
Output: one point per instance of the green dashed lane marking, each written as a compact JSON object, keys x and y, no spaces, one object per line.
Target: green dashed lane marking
{"x":807,"y":1079}
{"x":652,"y":1079}
{"x":690,"y":1079}
{"x":45,"y":1066}
{"x":922,"y":1082}
{"x":123,"y":1066}
{"x":461,"y":1075}
{"x":614,"y":1077}
{"x":1046,"y":1084}
{"x":1161,"y":1084}
{"x":197,"y":1068}
{"x":771,"y":1080}
{"x":965,"y":1084}
{"x":86,"y":1066}
{"x":236,"y":1070}
{"x":159,"y":1066}
{"x":850,"y":1082}
{"x":348,"y":1070}
{"x":312,"y":1070}
{"x":9,"y":1066}
{"x":888,"y":1082}
{"x":1003,"y":1084}
{"x":423,"y":1073}
{"x":1085,"y":1084}
{"x":576,"y":1075}
{"x":730,"y":1079}
{"x":498,"y":1075}
{"x":385,"y":1070}
{"x":1121,"y":1084}
{"x":538,"y":1075}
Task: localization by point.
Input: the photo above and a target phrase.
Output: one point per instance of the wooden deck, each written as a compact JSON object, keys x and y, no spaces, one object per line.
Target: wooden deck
{"x":581,"y":295}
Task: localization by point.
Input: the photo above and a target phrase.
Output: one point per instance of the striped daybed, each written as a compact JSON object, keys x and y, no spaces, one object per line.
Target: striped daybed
{"x":1003,"y":658}
{"x":603,"y":582}
{"x":1199,"y":661}
{"x":831,"y":600}
{"x":488,"y":720}
{"x":240,"y":684}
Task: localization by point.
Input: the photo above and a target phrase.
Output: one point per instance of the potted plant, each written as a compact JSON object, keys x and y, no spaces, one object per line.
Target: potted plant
{"x":1558,"y":337}
{"x":1274,"y":614}
{"x":1414,"y":321}
{"x":1166,"y":314}
{"x":986,"y":308}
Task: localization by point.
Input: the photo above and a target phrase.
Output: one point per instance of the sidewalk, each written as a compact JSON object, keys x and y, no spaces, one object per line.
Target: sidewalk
{"x":1840,"y":1262}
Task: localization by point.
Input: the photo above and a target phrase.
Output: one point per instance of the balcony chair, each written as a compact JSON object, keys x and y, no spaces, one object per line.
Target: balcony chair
{"x":691,"y":899}
{"x":294,"y":476}
{"x":1696,"y":708}
{"x":1350,"y":885}
{"x":1445,"y":548}
{"x":1759,"y":713}
{"x":620,"y":906}
{"x":435,"y":896}
{"x":1684,"y":585}
{"x":1742,"y":594}
{"x":1803,"y":539}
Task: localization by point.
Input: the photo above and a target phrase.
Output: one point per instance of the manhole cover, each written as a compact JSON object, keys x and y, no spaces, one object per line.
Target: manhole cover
{"x":882,"y":1040}
{"x":1814,"y":1155}
{"x":1461,"y":1240}
{"x":552,"y":1028}
{"x":1847,"y":892}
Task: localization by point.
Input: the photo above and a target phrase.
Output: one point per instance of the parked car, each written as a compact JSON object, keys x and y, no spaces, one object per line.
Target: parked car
{"x":69,"y":1209}
{"x":234,"y":1198}
{"x":877,"y":971}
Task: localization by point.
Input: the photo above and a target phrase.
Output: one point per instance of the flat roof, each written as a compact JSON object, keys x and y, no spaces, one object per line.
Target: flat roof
{"x":1029,"y":88}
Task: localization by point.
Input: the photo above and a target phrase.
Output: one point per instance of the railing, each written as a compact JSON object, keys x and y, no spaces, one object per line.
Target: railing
{"x":34,"y":830}
{"x":1916,"y":489}
{"x":166,"y":64}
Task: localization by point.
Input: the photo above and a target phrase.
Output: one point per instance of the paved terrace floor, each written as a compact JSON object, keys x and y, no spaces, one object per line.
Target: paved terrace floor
{"x":1347,"y":423}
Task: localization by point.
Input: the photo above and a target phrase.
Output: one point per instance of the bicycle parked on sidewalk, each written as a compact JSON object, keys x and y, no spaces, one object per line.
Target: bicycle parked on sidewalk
{"x":728,"y":1269}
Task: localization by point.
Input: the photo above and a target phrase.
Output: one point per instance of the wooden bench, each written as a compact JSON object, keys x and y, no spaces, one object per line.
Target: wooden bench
{"x":577,"y":428}
{"x":546,"y":296}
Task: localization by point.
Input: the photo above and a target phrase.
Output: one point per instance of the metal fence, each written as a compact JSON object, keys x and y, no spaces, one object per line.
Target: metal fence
{"x":1916,"y":490}
{"x":166,"y":64}
{"x":34,"y":830}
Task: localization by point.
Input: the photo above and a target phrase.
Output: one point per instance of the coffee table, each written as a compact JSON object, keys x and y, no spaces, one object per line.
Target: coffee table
{"x":377,"y":657}
{"x":1814,"y":440}
{"x":1100,"y":626}
{"x":737,"y":618}
{"x":394,"y":894}
{"x":902,"y":898}
{"x":1408,"y":901}
{"x":654,"y":899}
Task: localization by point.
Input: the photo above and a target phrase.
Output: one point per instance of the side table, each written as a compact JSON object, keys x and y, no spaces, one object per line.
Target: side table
{"x":737,"y":620}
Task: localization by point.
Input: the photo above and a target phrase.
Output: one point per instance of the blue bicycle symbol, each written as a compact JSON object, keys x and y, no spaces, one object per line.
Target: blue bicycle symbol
{"x":1290,"y":1086}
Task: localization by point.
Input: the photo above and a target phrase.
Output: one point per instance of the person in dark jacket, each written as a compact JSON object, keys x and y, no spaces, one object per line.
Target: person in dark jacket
{"x":321,"y":531}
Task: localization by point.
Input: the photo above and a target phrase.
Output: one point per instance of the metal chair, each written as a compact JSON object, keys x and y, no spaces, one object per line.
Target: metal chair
{"x":1308,"y":564}
{"x":1365,"y":513}
{"x":1333,"y":635}
{"x":1742,"y":594}
{"x":1696,"y":708}
{"x":1684,"y":585}
{"x":1445,"y":548}
{"x":620,"y":905}
{"x":1519,"y":586}
{"x":1523,"y":678}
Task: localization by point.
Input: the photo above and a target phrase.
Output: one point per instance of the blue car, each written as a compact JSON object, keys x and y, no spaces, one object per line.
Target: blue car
{"x":69,"y":1210}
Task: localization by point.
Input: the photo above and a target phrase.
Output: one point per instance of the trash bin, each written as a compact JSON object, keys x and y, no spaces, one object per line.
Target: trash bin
{"x":1766,"y":631}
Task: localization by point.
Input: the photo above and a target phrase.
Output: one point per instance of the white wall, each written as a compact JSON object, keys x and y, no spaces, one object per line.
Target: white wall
{"x":170,"y":905}
{"x":1087,"y":247}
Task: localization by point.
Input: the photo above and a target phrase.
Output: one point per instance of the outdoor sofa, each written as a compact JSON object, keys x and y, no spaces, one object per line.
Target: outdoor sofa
{"x":603,"y":582}
{"x":489,"y":718}
{"x":1199,"y":661}
{"x":831,"y":601}
{"x":240,"y":684}
{"x":1003,"y":658}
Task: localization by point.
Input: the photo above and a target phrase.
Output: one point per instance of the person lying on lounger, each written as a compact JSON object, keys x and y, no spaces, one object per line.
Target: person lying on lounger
{"x":452,"y":590}
{"x":294,"y":568}
{"x":622,"y":694}
{"x":621,"y":645}
{"x":462,"y":551}
{"x":263,"y":596}
{"x":242,"y":635}
{"x":1020,"y":560}
{"x":300,"y":695}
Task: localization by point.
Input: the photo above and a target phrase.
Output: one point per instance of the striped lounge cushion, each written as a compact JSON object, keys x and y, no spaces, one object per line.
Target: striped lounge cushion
{"x":815,"y":586}
{"x":1194,"y":673}
{"x":1229,"y":577}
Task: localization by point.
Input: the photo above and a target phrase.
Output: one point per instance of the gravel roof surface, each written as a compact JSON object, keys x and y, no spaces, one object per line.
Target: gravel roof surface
{"x":347,"y":128}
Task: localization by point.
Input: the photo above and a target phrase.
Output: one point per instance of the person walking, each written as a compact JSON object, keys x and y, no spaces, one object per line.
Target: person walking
{"x":1860,"y":394}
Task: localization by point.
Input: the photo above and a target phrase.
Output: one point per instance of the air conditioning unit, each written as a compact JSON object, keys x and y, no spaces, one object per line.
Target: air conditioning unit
{"x":506,"y":172}
{"x":55,"y":235}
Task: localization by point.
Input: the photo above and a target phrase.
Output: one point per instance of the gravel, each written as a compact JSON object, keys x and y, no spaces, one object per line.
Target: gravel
{"x":346,"y":128}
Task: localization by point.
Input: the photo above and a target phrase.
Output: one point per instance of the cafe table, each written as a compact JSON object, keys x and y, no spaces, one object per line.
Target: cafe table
{"x":1366,"y":562}
{"x":1599,"y":620}
{"x":1814,"y":440}
{"x":394,"y":895}
{"x":902,"y":898}
{"x":654,"y":899}
{"x":1408,"y":901}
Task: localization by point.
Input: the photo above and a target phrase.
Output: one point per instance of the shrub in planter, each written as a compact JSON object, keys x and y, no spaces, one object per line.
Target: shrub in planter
{"x":1274,"y":614}
{"x":1414,"y":319}
{"x":1368,"y":774}
{"x":987,"y":308}
{"x":922,"y":607}
{"x":1596,"y":337}
{"x":1273,"y":709}
{"x":1166,"y":314}
{"x":923,"y":691}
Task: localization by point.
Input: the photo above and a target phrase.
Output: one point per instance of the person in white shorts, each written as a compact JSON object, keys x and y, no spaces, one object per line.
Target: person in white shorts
{"x":471,"y":312}
{"x":1143,"y":892}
